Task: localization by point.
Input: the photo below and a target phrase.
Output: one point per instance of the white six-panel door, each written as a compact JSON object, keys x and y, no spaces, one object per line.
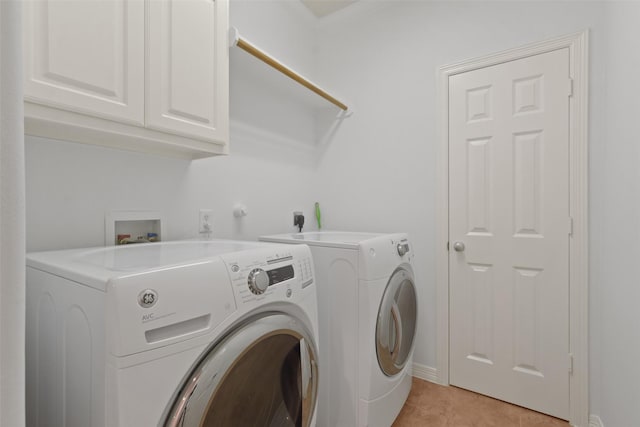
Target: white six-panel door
{"x":509,"y":220}
{"x":100,"y":73}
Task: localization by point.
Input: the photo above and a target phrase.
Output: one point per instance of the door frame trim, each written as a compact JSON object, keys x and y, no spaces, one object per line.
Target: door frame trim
{"x":578,"y":45}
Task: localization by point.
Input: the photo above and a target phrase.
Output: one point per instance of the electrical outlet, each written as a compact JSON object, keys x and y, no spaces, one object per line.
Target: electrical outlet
{"x":298,"y":220}
{"x":205,"y":224}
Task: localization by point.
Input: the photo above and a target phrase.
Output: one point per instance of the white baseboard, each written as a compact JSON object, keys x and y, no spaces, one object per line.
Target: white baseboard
{"x":424,"y":372}
{"x":595,"y":421}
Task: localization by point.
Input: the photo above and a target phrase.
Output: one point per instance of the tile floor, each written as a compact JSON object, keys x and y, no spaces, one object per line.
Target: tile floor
{"x":433,"y":405}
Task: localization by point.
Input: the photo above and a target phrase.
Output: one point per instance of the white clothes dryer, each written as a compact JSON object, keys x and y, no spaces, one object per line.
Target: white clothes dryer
{"x":192,"y":333}
{"x":367,"y":321}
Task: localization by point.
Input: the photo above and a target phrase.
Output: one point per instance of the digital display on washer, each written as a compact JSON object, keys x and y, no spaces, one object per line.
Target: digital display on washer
{"x":281,"y":274}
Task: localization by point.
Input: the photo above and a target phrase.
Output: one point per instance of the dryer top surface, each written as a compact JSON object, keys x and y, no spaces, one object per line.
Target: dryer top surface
{"x":336,"y":239}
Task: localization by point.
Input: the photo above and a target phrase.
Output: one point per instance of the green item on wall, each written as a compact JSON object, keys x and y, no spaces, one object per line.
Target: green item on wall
{"x":318,"y":215}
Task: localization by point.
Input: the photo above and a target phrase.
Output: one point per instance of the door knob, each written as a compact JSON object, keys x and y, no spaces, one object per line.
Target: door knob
{"x":458,"y":246}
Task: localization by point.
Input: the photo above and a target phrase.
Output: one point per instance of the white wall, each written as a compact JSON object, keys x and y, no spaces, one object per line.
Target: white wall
{"x":70,"y":186}
{"x":615,"y":318}
{"x":376,"y":170}
{"x":12,"y":223}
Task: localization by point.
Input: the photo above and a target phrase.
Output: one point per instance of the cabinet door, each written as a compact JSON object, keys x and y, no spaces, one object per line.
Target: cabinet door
{"x":86,"y":56}
{"x":188,"y":68}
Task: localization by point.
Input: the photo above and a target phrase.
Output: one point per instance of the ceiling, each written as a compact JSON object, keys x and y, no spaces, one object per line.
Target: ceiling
{"x":322,"y":8}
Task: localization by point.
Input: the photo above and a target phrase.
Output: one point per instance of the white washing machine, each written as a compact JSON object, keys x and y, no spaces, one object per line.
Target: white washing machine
{"x":368,"y":315}
{"x":192,"y":333}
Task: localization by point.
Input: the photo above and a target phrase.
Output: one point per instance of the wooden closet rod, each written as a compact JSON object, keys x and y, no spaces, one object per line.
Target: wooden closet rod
{"x":236,"y":40}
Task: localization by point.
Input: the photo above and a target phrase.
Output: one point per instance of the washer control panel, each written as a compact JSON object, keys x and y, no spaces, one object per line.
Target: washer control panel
{"x":277,"y":272}
{"x":259,"y":280}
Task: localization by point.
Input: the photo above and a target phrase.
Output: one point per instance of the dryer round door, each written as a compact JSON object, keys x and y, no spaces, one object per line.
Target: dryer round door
{"x":396,"y":324}
{"x":262,"y":374}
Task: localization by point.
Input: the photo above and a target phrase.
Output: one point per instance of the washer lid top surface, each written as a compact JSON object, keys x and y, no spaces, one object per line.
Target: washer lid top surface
{"x":148,"y":256}
{"x":95,"y":266}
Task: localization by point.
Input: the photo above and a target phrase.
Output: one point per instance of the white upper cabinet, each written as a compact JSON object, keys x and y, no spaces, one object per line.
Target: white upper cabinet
{"x":86,"y":56}
{"x":187,"y":90}
{"x":140,"y":75}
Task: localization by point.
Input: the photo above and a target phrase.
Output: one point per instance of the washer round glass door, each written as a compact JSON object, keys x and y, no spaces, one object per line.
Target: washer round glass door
{"x":396,"y":324}
{"x":262,"y":374}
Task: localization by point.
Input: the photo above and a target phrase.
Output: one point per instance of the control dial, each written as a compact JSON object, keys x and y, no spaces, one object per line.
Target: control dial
{"x":258,"y":281}
{"x":403,"y":248}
